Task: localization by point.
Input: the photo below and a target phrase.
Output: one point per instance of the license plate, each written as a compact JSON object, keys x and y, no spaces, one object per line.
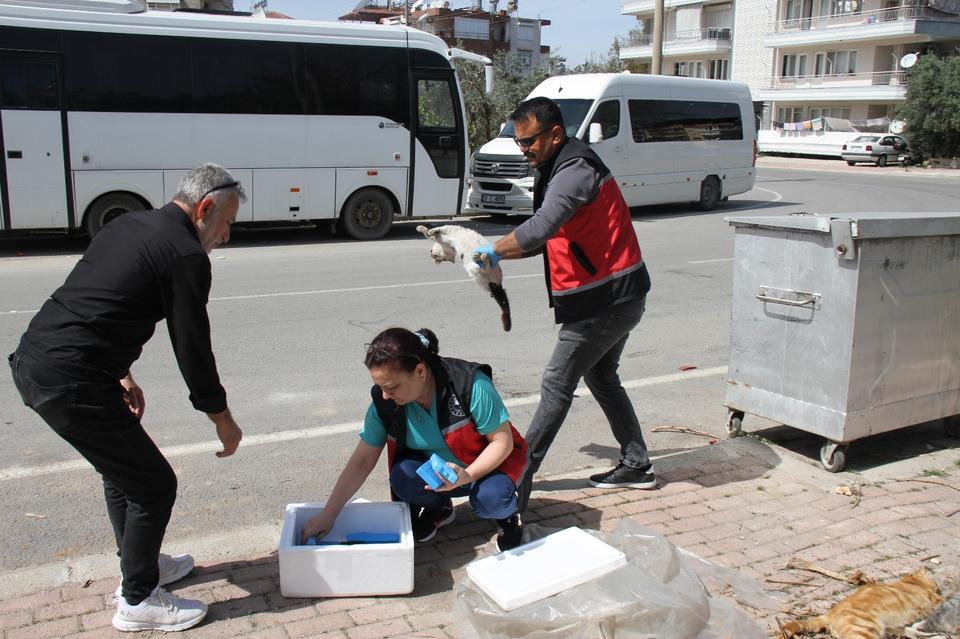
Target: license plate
{"x":493,"y":199}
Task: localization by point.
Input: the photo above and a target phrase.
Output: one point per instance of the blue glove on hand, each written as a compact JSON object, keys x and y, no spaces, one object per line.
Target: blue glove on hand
{"x":486,"y":249}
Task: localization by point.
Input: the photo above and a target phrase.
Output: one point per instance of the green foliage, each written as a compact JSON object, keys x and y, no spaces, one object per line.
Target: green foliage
{"x":485,"y":113}
{"x":932,"y":109}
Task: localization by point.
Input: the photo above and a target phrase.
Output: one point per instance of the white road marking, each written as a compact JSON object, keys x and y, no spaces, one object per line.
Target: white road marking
{"x":720,"y":259}
{"x":323,"y":291}
{"x":23,"y":472}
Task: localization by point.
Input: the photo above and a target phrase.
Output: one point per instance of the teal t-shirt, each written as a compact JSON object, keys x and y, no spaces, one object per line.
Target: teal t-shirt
{"x":423,"y":431}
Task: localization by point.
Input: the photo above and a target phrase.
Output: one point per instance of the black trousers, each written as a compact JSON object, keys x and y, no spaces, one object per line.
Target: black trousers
{"x":140,"y":487}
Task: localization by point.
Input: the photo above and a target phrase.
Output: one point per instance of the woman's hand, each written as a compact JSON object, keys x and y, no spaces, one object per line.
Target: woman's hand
{"x":463,"y":478}
{"x":317,"y":526}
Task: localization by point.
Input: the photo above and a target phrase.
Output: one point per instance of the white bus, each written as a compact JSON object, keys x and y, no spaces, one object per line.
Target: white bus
{"x":666,"y":139}
{"x":102,"y":112}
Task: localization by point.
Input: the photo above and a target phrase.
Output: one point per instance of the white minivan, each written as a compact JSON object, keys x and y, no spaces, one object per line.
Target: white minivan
{"x":666,"y":139}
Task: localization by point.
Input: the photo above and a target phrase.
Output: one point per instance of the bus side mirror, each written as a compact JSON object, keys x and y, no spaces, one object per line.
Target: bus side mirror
{"x":488,"y":79}
{"x":596,"y":133}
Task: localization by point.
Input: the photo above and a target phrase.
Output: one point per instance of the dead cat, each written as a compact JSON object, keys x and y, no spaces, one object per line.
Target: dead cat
{"x":873,"y":609}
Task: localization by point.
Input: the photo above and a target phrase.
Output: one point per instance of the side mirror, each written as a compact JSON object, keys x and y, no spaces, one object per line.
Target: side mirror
{"x":596,"y":133}
{"x":488,"y":79}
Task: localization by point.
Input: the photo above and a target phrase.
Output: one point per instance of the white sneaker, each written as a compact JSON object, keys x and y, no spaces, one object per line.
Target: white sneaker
{"x":159,"y":611}
{"x":171,"y":569}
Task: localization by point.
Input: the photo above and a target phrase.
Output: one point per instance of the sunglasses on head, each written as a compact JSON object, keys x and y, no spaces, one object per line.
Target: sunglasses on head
{"x":228,"y":185}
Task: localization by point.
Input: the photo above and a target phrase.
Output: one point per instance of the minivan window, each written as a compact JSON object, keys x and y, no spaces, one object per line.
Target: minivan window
{"x":608,"y":116}
{"x":573,"y":112}
{"x":684,"y":121}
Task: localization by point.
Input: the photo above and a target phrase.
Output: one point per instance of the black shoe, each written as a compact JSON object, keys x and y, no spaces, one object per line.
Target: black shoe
{"x":626,"y":477}
{"x":428,"y":522}
{"x":510,"y":534}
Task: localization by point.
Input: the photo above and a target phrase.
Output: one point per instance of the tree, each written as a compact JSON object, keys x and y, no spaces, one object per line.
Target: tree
{"x":595,"y":64}
{"x":931,"y":112}
{"x":485,"y":112}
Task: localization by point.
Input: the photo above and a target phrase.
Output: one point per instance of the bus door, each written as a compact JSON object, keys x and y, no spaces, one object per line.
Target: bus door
{"x":34,"y":188}
{"x":438,"y":167}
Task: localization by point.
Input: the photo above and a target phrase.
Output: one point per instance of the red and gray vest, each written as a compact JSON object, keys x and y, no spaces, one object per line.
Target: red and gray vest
{"x":594,"y":261}
{"x":454,"y":379}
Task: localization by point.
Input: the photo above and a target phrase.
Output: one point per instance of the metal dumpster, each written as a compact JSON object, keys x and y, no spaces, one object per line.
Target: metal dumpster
{"x":845,"y":325}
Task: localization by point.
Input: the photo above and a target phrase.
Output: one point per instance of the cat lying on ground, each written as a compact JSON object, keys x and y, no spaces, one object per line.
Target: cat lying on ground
{"x":873,"y":609}
{"x":450,"y":241}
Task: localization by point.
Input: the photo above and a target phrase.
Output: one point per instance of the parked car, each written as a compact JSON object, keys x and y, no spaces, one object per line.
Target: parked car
{"x":876,"y":149}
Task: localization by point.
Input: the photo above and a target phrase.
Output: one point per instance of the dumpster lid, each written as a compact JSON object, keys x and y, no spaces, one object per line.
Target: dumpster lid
{"x":865,"y":225}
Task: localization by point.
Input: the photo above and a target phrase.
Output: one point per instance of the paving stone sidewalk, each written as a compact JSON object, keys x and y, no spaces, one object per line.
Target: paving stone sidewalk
{"x":741,"y":503}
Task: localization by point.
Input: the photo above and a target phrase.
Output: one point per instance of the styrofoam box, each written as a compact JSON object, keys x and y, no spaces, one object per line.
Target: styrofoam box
{"x":543,"y":568}
{"x":349,"y":570}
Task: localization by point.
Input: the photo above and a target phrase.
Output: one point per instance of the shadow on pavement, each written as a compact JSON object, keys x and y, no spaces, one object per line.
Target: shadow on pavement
{"x":910,"y":450}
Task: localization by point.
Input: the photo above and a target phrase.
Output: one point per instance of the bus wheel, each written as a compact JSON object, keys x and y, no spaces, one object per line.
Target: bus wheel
{"x":367,"y":214}
{"x":108,"y":207}
{"x":709,"y":193}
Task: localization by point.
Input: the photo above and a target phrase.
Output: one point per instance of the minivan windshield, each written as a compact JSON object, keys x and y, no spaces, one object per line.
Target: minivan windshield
{"x":573,"y":113}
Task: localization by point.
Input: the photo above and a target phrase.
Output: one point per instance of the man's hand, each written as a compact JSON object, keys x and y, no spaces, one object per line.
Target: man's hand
{"x":228,"y":432}
{"x":133,"y":396}
{"x":492,"y":258}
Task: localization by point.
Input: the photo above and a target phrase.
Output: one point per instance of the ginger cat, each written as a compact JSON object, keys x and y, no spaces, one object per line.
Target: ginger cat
{"x":873,"y":609}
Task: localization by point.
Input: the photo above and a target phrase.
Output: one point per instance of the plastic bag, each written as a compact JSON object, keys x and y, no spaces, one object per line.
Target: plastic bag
{"x":659,"y":594}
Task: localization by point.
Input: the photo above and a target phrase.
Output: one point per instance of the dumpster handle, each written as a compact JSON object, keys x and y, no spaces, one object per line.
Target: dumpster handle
{"x":811,"y":299}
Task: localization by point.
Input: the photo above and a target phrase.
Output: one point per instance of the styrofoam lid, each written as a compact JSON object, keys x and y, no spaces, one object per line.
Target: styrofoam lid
{"x":544,"y":567}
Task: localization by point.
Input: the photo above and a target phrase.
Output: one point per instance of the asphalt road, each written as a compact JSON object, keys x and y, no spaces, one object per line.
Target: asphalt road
{"x":291,"y":310}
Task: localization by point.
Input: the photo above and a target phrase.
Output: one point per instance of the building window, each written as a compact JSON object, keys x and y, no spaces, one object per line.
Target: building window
{"x":818,"y":65}
{"x":690,"y":69}
{"x":790,"y":114}
{"x":844,"y":7}
{"x":526,"y":32}
{"x":841,"y":62}
{"x":842,"y":113}
{"x":525,"y":58}
{"x":718,"y":69}
{"x":788,"y":67}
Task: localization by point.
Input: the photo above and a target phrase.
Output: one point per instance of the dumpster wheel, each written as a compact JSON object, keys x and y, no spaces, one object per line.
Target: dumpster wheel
{"x":833,"y":456}
{"x":951,"y":426}
{"x":734,"y":423}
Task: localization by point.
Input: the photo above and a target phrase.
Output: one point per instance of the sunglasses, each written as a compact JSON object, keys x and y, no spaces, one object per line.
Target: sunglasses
{"x":526,"y":142}
{"x":228,"y":185}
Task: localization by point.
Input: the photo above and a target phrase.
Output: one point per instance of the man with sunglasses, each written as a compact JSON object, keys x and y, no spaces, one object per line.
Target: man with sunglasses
{"x":597,"y":284}
{"x":72,"y":368}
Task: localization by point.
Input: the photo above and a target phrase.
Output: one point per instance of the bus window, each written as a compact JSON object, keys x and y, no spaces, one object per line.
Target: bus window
{"x":437,"y":124}
{"x":28,"y":85}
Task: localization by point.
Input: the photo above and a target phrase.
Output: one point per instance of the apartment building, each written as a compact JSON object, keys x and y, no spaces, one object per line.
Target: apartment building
{"x":697,"y":37}
{"x":824,"y":68}
{"x":486,"y":32}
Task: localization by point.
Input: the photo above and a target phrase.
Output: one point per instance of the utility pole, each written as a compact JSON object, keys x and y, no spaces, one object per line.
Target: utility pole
{"x":406,"y":13}
{"x":657,"y":65}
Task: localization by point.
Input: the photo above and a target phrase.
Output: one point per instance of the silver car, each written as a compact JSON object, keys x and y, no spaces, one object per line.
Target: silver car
{"x":875,"y":149}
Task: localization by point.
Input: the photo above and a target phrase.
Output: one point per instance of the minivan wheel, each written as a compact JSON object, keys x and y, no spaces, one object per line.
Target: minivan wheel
{"x":882,"y":160}
{"x":709,"y":193}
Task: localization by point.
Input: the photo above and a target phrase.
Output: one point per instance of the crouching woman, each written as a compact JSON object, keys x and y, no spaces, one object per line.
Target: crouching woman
{"x":425,"y":404}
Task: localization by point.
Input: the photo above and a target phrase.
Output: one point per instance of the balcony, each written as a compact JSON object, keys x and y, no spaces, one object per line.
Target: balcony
{"x":877,"y":86}
{"x":644,"y":7}
{"x":711,"y":40}
{"x":897,"y":24}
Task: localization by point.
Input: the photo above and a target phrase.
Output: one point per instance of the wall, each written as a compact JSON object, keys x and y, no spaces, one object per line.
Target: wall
{"x":750,"y":61}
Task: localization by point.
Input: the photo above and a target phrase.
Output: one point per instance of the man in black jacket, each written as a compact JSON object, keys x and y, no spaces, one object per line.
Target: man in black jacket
{"x":72,"y":367}
{"x":597,"y":283}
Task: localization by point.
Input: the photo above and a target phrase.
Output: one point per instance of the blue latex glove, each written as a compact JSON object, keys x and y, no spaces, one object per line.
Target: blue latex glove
{"x":486,"y":249}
